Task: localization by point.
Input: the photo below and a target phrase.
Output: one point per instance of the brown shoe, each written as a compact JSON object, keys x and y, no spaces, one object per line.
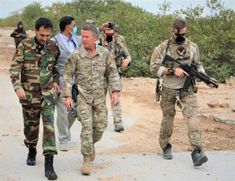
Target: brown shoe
{"x":86,"y":165}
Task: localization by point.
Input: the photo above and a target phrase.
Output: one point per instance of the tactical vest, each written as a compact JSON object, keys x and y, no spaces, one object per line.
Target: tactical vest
{"x":181,"y":53}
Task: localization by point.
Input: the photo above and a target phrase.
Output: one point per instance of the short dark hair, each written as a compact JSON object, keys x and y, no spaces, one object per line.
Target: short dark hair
{"x":64,"y":21}
{"x":43,"y":22}
{"x":179,"y":24}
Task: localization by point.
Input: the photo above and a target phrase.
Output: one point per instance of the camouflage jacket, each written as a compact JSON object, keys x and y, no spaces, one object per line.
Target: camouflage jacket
{"x":117,"y":46}
{"x":34,"y":71}
{"x":186,"y":53}
{"x":90,"y":74}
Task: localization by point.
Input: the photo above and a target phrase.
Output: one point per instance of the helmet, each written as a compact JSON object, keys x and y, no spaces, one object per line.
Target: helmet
{"x":112,"y":25}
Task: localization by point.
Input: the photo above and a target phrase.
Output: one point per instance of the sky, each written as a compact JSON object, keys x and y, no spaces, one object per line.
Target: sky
{"x":9,"y":6}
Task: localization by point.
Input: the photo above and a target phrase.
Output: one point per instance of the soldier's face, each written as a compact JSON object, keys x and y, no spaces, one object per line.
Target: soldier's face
{"x":182,"y":32}
{"x":179,"y":36}
{"x":43,"y":34}
{"x":20,"y":26}
{"x":88,"y":39}
{"x":108,"y":32}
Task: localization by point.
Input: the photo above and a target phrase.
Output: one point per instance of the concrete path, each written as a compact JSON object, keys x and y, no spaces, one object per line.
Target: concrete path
{"x":125,"y":167}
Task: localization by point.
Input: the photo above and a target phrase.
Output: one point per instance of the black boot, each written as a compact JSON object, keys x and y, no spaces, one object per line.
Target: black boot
{"x":49,"y":169}
{"x":167,"y":154}
{"x":118,"y":128}
{"x":31,"y":159}
{"x":198,"y":157}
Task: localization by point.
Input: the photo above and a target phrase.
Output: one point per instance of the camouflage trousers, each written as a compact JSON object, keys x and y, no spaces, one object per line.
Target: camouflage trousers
{"x":116,"y":110}
{"x":189,"y":111}
{"x":94,"y":121}
{"x":31,"y":115}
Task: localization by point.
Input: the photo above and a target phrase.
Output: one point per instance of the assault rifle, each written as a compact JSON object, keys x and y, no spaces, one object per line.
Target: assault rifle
{"x":192,"y":72}
{"x":118,"y":60}
{"x":120,"y":56}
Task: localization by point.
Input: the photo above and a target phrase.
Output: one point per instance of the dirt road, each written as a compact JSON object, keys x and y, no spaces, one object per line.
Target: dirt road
{"x":134,"y":154}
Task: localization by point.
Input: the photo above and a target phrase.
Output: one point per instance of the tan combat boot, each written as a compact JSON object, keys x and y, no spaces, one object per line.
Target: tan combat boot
{"x":86,"y":165}
{"x":93,"y":153}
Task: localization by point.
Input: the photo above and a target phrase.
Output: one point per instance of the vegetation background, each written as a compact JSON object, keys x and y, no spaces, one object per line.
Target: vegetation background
{"x":214,"y":32}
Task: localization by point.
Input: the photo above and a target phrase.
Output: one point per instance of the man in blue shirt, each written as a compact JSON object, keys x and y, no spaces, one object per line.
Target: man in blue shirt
{"x":67,"y":41}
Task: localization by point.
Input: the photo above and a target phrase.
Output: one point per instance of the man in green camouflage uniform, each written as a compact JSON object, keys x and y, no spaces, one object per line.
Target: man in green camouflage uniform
{"x":116,"y":44}
{"x":91,"y":64}
{"x":35,"y":80}
{"x":185,"y":51}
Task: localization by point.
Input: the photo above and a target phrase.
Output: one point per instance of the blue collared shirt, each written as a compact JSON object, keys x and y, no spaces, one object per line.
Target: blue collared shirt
{"x":69,"y":42}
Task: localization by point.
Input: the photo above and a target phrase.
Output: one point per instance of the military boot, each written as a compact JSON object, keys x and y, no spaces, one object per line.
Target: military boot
{"x":93,"y":153}
{"x":49,"y":169}
{"x":86,"y":165}
{"x":31,"y":159}
{"x":118,"y":127}
{"x":198,"y":157}
{"x":167,"y":154}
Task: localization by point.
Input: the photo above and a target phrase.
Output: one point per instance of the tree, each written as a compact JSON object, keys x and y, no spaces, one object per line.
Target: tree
{"x":214,"y":33}
{"x":31,"y":13}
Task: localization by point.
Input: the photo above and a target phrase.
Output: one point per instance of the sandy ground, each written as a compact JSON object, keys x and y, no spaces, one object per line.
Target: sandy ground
{"x":134,"y":154}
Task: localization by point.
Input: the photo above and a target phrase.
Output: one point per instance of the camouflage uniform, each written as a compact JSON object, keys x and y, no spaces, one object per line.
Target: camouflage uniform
{"x":117,"y":46}
{"x":36,"y":72}
{"x":18,"y":34}
{"x":186,"y":53}
{"x":90,"y":76}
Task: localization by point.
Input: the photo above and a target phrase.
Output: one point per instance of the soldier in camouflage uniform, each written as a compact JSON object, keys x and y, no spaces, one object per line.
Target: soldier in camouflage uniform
{"x":19,"y":33}
{"x":116,"y":44}
{"x":35,"y":79}
{"x":91,"y":64}
{"x":185,"y":51}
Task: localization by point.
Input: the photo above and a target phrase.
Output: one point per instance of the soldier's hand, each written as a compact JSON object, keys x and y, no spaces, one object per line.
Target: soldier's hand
{"x":68,"y":102}
{"x":115,"y":98}
{"x":105,"y":24}
{"x":21,"y":93}
{"x":180,"y":72}
{"x":125,"y":63}
{"x":56,"y":87}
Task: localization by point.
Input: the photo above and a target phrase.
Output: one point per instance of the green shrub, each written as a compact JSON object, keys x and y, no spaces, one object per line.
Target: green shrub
{"x":214,"y":33}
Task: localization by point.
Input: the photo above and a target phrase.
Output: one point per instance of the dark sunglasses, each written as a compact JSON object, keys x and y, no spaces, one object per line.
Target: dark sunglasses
{"x":182,"y":34}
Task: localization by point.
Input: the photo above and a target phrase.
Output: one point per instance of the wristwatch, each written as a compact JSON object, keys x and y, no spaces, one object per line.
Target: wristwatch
{"x":171,"y":71}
